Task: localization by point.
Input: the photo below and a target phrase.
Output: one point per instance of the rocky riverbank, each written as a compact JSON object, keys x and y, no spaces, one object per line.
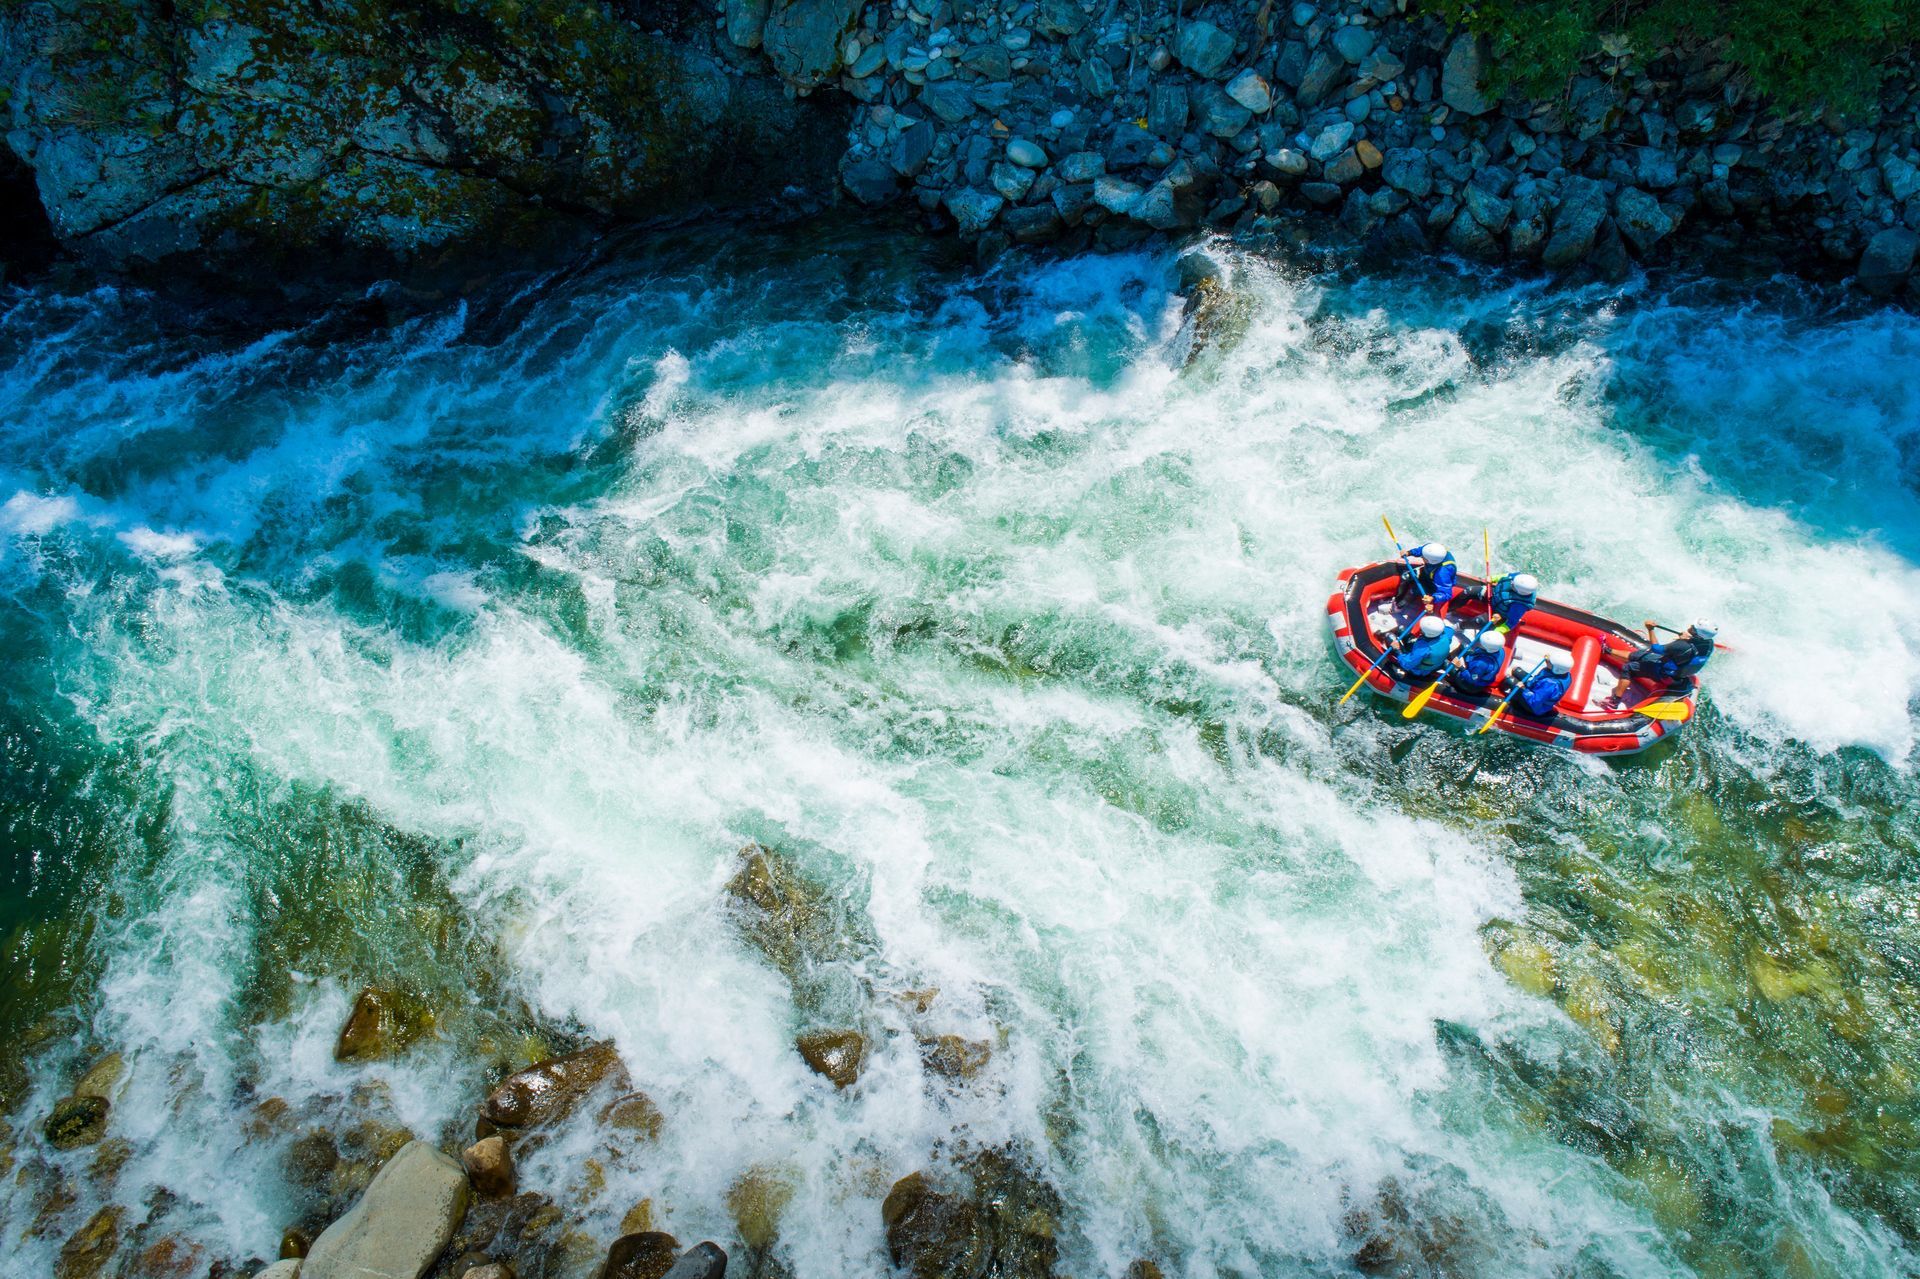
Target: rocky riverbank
{"x":1036,"y":121}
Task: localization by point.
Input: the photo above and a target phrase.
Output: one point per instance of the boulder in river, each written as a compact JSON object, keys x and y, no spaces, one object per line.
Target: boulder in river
{"x":648,"y":1254}
{"x":1887,"y":260}
{"x":955,"y":1057}
{"x":757,"y":1201}
{"x":400,"y":1225}
{"x":787,"y":918}
{"x":840,"y":1055}
{"x":702,"y":1261}
{"x":87,"y":1252}
{"x":381,"y":1023}
{"x":634,"y":1112}
{"x":489,"y":1166}
{"x":76,"y":1122}
{"x":102,"y":1078}
{"x":990,"y":1216}
{"x":548,"y":1090}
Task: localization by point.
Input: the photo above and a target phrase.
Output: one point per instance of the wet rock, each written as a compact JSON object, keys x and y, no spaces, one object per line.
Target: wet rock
{"x":492,"y":1270}
{"x":973,"y":210}
{"x":76,"y":1122}
{"x":1463,"y":77}
{"x":804,"y":39}
{"x":789,"y":920}
{"x":311,"y":1160}
{"x":402,"y":1223}
{"x":1468,"y":237}
{"x":168,"y":1257}
{"x":549,"y":1090}
{"x":381,"y":1024}
{"x":869,"y":179}
{"x":1203,"y":49}
{"x":955,"y":1057}
{"x":702,"y":1261}
{"x":295,"y":1243}
{"x":87,"y":1251}
{"x":990,"y":1217}
{"x":1887,"y":260}
{"x":1583,"y":206}
{"x":1251,"y":91}
{"x":102,"y":1078}
{"x":757,"y":1200}
{"x":648,"y":1254}
{"x":1325,"y":70}
{"x":489,"y":1166}
{"x":839,"y":1055}
{"x":524,"y":1231}
{"x":1641,"y":219}
{"x":634,"y":1112}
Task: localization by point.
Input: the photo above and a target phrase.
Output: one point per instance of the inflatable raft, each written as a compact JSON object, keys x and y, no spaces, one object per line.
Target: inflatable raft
{"x":1596,"y":717}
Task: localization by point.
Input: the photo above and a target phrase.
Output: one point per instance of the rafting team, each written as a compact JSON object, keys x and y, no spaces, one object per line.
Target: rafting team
{"x":1425,"y":652}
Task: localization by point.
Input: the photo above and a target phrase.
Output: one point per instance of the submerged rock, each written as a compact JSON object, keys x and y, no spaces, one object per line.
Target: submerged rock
{"x":402,"y":1223}
{"x":634,"y":1112}
{"x":838,"y":1054}
{"x":102,"y":1078}
{"x":955,"y":1057}
{"x":648,"y":1254}
{"x":549,"y":1090}
{"x":758,"y":1199}
{"x":88,"y":1250}
{"x":382,"y":1023}
{"x":76,"y":1122}
{"x":991,"y":1217}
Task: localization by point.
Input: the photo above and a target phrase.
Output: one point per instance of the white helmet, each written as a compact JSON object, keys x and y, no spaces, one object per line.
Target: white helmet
{"x":1525,"y":584}
{"x":1493,"y":641}
{"x":1434,"y":553}
{"x":1560,"y":663}
{"x":1431,"y":626}
{"x":1706,"y":630}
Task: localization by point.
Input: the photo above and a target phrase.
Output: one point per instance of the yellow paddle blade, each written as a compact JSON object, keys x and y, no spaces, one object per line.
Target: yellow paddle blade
{"x":1491,"y":720}
{"x":1419,"y":703}
{"x":1390,"y":533}
{"x":1677,"y":712}
{"x":1356,"y":686}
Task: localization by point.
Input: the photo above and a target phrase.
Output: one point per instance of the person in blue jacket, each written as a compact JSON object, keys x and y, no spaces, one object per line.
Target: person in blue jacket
{"x":1478,"y":666}
{"x":1675,"y":660}
{"x":1424,"y":656}
{"x":1431,"y":573}
{"x":1511,"y":598}
{"x":1538,"y":694}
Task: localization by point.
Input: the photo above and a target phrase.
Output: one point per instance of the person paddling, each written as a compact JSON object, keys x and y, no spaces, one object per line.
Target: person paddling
{"x":1510,"y":599}
{"x":1424,"y":656}
{"x":1538,"y":695}
{"x":1431,"y":577}
{"x":1478,"y":666}
{"x":1675,"y":660}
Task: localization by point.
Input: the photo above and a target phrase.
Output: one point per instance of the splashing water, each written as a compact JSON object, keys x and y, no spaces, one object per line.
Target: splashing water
{"x":465,"y":656}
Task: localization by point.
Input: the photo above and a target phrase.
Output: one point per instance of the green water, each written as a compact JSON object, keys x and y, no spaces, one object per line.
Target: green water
{"x":464,"y":656}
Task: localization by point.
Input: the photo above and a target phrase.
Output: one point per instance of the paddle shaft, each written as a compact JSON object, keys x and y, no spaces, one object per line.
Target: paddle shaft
{"x":1375,"y":664}
{"x":1501,"y":709}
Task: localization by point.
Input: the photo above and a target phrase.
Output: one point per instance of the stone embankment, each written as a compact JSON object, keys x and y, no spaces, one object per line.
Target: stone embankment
{"x":1083,"y":122}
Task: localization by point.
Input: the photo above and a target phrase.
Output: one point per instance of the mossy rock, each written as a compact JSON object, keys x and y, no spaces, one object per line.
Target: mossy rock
{"x":381,"y":1024}
{"x":757,"y":1200}
{"x":989,"y":1215}
{"x":76,"y":1122}
{"x":86,"y":1253}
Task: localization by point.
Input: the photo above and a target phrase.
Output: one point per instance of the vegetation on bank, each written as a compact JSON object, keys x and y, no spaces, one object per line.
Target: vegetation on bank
{"x":1797,"y":52}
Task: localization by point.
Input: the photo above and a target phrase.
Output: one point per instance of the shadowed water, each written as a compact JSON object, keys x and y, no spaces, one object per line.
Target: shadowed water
{"x":466,"y":654}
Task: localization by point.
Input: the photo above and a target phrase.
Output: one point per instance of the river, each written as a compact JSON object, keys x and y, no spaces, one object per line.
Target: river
{"x":466,"y":653}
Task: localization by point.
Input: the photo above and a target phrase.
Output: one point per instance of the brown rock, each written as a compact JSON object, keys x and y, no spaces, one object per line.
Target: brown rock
{"x":489,"y":1167}
{"x":634,"y":1113}
{"x":954,"y":1057}
{"x":918,"y":1001}
{"x":76,"y":1122}
{"x":756,"y":1202}
{"x":838,"y":1054}
{"x":547,"y":1091}
{"x":1370,"y":157}
{"x":109,"y":1159}
{"x":91,"y":1247}
{"x":646,"y":1255}
{"x":294,"y":1242}
{"x":311,"y":1159}
{"x":789,"y":920}
{"x":101,"y":1078}
{"x":169,"y":1257}
{"x":381,"y":1024}
{"x":270,"y":1118}
{"x":1144,"y":1269}
{"x":1003,"y":1222}
{"x":639,"y":1219}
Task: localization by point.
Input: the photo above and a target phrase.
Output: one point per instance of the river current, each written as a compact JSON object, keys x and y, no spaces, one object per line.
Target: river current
{"x":466,"y":654}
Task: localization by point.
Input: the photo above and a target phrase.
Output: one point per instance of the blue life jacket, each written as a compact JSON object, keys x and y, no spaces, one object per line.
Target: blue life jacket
{"x":1541,"y":694}
{"x":1673,"y":660}
{"x":1423,"y":656}
{"x":1479,"y":667}
{"x":1436,"y":580}
{"x":1508,"y":604}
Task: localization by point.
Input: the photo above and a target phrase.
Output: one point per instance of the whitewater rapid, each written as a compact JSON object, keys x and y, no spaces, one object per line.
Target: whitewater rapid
{"x":960,"y":591}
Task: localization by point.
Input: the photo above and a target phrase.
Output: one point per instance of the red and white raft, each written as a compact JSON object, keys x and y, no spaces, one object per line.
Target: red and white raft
{"x":1596,"y":717}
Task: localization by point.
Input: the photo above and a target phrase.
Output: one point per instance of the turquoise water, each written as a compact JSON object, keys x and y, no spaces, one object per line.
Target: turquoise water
{"x":464,"y":656}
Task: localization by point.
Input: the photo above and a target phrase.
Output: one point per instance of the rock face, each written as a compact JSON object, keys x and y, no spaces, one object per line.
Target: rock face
{"x":401,"y":1224}
{"x":990,"y":1217}
{"x":159,"y":132}
{"x":549,"y":1090}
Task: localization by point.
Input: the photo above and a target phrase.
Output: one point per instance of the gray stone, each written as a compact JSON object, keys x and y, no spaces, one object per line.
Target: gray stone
{"x":973,"y":210}
{"x":1287,"y":161}
{"x":1381,"y":66}
{"x":1167,"y":109}
{"x":1486,"y":208}
{"x":1012,"y":181}
{"x":1464,"y":74}
{"x":988,"y":61}
{"x":1408,"y":170}
{"x":1901,"y":176}
{"x":287,"y":1269}
{"x":951,"y":100}
{"x":1345,"y":168}
{"x":1353,"y":43}
{"x":1129,"y":145}
{"x":1203,"y":49}
{"x":401,"y":1224}
{"x":1060,"y":18}
{"x":1096,"y":77}
{"x":1166,"y":208}
{"x":1322,"y":193}
{"x":1033,"y":224}
{"x":1026,"y":154}
{"x":1251,"y":92}
{"x":805,"y":39}
{"x":1116,"y":195}
{"x":1220,"y":115}
{"x":869,"y":179}
{"x":1326,"y":70}
{"x":1583,"y":206}
{"x":1641,"y":220}
{"x":1291,"y":65}
{"x":1081,"y":166}
{"x":1073,"y":199}
{"x":910,"y":149}
{"x":746,"y":20}
{"x":1469,"y":238}
{"x":702,"y":1261}
{"x":1331,"y":141}
{"x":1887,"y":260}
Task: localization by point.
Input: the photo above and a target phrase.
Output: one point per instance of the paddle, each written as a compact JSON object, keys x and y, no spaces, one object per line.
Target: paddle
{"x":1406,"y":569}
{"x":1419,"y":703}
{"x":1500,"y":710}
{"x":1676,"y":712}
{"x":1718,"y":647}
{"x":1376,"y":663}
